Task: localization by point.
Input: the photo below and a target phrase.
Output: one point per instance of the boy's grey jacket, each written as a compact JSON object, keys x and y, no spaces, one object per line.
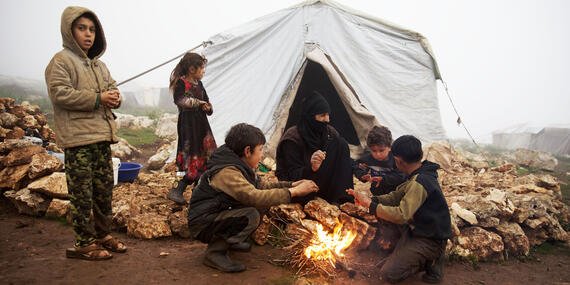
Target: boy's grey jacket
{"x":74,"y":80}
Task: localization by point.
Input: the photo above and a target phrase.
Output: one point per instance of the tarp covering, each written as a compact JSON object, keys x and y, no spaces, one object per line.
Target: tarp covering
{"x":390,"y":70}
{"x":554,"y":139}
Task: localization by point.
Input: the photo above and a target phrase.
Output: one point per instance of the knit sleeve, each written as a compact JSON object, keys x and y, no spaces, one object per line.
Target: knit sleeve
{"x":414,"y":196}
{"x":232,"y":182}
{"x":180,"y":100}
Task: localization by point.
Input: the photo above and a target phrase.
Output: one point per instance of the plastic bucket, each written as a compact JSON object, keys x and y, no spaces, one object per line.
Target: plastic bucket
{"x":116,"y":166}
{"x":128,"y":171}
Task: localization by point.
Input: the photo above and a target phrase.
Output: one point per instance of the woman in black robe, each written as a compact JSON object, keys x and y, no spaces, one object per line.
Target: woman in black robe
{"x":314,"y":150}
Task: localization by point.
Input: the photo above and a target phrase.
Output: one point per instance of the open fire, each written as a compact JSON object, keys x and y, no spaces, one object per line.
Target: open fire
{"x":317,"y":250}
{"x":328,"y":246}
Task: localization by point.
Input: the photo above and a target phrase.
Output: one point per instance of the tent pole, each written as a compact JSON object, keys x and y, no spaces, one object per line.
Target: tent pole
{"x":203,"y":44}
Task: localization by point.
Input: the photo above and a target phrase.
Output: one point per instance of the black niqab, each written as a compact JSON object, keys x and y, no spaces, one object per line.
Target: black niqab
{"x":313,"y":132}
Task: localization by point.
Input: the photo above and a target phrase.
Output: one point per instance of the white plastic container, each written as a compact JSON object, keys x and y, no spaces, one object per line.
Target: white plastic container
{"x":60,"y":156}
{"x":34,"y":140}
{"x":116,"y":165}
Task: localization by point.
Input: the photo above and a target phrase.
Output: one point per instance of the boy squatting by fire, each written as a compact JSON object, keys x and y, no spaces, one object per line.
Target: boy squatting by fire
{"x":224,"y":207}
{"x":419,"y":203}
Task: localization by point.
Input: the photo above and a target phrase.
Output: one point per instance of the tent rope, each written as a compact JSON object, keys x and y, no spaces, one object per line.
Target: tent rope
{"x":203,"y":44}
{"x":460,"y":122}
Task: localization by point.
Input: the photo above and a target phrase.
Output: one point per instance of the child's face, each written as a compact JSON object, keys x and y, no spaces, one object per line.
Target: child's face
{"x":197,"y":73}
{"x":253,"y":157}
{"x":380,"y":153}
{"x":84,"y":33}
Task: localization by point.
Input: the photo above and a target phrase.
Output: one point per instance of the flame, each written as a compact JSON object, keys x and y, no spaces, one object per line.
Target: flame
{"x":325,"y":244}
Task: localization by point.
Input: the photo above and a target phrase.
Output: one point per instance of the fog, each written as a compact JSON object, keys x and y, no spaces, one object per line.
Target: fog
{"x":504,"y":62}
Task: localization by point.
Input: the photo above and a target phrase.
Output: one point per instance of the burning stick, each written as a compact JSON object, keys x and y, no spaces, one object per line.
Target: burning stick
{"x":318,"y":251}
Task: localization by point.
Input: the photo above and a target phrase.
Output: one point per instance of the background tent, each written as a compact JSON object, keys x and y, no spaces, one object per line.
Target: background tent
{"x":554,"y":139}
{"x":377,"y":73}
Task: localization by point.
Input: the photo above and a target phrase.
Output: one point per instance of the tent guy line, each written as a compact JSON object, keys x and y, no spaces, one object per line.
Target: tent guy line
{"x":203,"y":44}
{"x":460,"y":122}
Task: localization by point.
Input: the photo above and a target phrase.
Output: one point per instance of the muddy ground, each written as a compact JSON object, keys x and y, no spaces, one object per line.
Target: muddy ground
{"x":32,"y":251}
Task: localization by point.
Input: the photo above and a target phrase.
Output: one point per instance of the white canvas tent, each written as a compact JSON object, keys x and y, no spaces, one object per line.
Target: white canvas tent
{"x":376,"y":72}
{"x":554,"y":138}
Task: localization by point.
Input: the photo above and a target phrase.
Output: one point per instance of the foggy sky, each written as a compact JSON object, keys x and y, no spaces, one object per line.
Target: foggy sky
{"x":504,"y":62}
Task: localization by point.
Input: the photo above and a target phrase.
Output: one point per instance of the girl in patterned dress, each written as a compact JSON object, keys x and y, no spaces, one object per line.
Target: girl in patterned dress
{"x":195,"y":140}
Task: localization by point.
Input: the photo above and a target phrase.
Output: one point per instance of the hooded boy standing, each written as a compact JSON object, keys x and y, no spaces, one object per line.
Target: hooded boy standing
{"x":419,"y":204}
{"x":83,"y":93}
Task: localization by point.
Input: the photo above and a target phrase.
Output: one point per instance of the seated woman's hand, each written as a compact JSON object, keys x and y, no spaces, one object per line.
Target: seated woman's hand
{"x":317,"y":159}
{"x":303,"y":188}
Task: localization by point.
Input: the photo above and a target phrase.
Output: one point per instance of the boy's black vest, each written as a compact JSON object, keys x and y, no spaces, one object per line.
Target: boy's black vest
{"x":432,"y":219}
{"x":206,"y":202}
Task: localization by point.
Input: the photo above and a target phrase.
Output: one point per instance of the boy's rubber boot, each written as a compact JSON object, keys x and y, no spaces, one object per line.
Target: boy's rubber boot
{"x":434,"y":270}
{"x":242,"y":246}
{"x":175,"y":193}
{"x":217,"y":257}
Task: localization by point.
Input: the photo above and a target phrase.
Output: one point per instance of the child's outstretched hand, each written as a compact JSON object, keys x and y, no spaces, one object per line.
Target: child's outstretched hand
{"x":359,"y":198}
{"x":299,"y":182}
{"x":376,"y":179}
{"x":303,"y":187}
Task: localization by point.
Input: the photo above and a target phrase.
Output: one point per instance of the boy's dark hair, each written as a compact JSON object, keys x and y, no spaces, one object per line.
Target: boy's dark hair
{"x":242,"y":135}
{"x":190,"y":59}
{"x":380,"y":136}
{"x":87,"y":15}
{"x":409,"y":148}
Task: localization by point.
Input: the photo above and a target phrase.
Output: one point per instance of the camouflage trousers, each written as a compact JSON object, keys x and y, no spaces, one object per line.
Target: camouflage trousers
{"x":89,"y":175}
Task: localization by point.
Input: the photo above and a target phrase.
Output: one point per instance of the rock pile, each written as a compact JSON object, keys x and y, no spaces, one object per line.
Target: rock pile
{"x":29,"y":176}
{"x":133,"y":122}
{"x":166,"y":126}
{"x":493,"y":210}
{"x":17,"y":121}
{"x":158,"y":160}
{"x":142,"y":209}
{"x":123,"y":150}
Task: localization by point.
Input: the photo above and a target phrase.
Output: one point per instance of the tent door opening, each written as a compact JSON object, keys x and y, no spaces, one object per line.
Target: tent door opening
{"x":315,"y":78}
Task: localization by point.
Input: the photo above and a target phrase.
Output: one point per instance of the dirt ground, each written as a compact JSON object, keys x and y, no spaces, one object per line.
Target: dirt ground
{"x":32,"y":251}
